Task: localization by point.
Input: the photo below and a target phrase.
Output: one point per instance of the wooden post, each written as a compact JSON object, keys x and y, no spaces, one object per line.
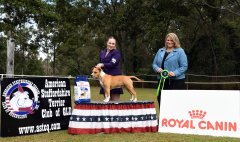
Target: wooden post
{"x":10,"y":52}
{"x":10,"y":55}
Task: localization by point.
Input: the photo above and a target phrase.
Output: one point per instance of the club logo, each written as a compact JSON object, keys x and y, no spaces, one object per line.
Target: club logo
{"x":21,"y":98}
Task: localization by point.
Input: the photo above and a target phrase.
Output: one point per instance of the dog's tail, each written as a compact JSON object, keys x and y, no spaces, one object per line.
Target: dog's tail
{"x":136,"y":78}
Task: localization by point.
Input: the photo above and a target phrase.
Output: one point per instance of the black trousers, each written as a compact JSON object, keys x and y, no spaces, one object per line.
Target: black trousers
{"x":170,"y":85}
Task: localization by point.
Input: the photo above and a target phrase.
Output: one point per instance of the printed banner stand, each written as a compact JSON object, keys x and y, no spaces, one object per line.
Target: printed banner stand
{"x":34,"y":105}
{"x":202,"y":112}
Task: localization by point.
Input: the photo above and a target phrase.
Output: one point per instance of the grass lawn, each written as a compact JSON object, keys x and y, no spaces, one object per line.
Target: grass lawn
{"x":143,"y":94}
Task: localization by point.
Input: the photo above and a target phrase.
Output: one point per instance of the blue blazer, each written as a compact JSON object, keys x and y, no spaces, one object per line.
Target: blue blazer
{"x":176,"y":62}
{"x":110,"y":62}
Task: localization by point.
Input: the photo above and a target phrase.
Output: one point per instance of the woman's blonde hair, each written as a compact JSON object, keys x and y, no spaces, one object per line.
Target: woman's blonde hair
{"x":111,"y":37}
{"x":175,"y":39}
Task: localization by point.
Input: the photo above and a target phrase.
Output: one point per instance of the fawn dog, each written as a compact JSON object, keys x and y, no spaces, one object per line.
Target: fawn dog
{"x":109,"y":82}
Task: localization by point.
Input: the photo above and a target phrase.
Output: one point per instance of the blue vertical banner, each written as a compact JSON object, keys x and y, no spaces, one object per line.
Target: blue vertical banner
{"x":34,"y":105}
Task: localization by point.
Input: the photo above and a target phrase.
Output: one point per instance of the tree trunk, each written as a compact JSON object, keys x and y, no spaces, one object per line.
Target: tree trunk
{"x":124,"y":65}
{"x":134,"y":57}
{"x":23,"y":61}
{"x":78,"y":61}
{"x":47,"y":55}
{"x":119,"y":41}
{"x":47,"y":66}
{"x":54,"y":54}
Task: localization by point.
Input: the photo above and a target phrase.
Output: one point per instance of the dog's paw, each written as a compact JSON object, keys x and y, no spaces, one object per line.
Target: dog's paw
{"x":106,"y":100}
{"x":135,"y":100}
{"x":132,"y":98}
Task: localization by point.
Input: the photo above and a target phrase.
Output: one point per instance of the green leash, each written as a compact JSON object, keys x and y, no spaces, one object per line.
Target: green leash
{"x":164,"y":75}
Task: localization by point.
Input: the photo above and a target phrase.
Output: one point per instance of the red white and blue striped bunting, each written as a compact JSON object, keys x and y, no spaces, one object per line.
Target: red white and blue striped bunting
{"x":92,"y":118}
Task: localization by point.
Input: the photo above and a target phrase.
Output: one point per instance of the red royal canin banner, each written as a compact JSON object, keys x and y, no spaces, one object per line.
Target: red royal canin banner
{"x":202,"y":112}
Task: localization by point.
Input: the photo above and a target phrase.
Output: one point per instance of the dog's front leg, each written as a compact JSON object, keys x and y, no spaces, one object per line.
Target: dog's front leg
{"x":107,"y":95}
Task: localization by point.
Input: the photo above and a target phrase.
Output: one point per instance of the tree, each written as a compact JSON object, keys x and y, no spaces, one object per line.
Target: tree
{"x":3,"y":54}
{"x":18,"y":12}
{"x":43,"y":40}
{"x":25,"y":43}
{"x":125,"y":20}
{"x":76,"y":52}
{"x":129,"y":20}
{"x":232,"y":6}
{"x":209,"y":38}
{"x":76,"y":39}
{"x":34,"y":65}
{"x":59,"y":27}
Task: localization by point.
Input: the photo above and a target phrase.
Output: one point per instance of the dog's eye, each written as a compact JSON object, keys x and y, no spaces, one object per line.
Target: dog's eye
{"x":95,"y":72}
{"x":25,"y":98}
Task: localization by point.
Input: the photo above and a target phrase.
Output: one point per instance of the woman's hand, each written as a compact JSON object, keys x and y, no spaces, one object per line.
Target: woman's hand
{"x":159,"y":70}
{"x":171,"y":74}
{"x":99,"y":65}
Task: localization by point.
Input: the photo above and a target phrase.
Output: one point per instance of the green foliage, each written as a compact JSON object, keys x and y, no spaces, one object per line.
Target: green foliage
{"x":24,"y":43}
{"x":34,"y":65}
{"x":72,"y":33}
{"x":129,"y":20}
{"x":3,"y":55}
{"x":209,"y":39}
{"x":21,"y":11}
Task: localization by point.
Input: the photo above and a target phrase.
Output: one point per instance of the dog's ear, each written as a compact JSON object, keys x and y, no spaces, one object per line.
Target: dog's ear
{"x":99,"y":69}
{"x":92,"y":68}
{"x":17,"y":94}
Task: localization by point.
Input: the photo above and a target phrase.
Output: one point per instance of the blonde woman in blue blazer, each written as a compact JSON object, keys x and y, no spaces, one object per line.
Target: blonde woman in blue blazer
{"x":172,"y":58}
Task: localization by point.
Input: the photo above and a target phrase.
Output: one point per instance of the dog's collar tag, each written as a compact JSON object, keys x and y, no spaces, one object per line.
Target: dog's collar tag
{"x":164,"y":74}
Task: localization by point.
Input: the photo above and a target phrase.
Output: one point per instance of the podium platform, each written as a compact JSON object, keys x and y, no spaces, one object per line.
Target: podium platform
{"x":113,"y":117}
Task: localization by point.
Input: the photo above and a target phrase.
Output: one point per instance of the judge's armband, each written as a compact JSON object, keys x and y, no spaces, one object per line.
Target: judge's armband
{"x":114,"y":60}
